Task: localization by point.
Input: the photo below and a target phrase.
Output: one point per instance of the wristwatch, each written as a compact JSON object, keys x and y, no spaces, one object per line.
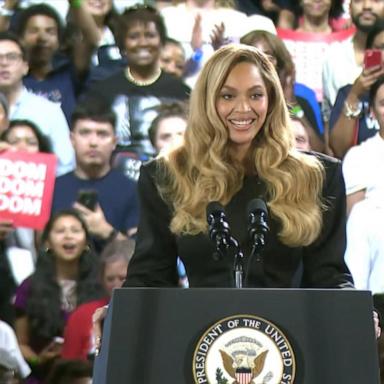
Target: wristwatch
{"x":350,"y":112}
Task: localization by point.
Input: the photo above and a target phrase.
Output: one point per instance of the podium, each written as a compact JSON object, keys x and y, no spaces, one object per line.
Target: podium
{"x":151,"y":335}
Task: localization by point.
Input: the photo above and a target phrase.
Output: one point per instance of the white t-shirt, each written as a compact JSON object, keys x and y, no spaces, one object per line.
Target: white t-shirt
{"x":8,"y":342}
{"x":365,"y":245}
{"x":180,"y":20}
{"x":339,"y":69}
{"x":363,"y":168}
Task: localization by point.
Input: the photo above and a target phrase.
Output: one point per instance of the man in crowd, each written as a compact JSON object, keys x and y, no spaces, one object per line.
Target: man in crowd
{"x":111,"y":208}
{"x":344,"y":60}
{"x":23,"y":104}
{"x":51,"y":74}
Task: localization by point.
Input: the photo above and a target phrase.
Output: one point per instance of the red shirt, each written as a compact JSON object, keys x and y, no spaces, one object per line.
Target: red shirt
{"x":77,"y":332}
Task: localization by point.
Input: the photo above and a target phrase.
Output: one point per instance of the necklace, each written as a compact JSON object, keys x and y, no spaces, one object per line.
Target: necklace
{"x":142,"y":83}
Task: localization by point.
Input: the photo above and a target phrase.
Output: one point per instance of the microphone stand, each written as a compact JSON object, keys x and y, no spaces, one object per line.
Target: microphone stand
{"x":257,"y":246}
{"x":222,"y":247}
{"x":238,"y":264}
{"x":258,"y":230}
{"x":256,"y":252}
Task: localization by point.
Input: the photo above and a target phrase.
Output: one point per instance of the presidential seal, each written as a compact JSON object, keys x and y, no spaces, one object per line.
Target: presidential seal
{"x":244,"y":349}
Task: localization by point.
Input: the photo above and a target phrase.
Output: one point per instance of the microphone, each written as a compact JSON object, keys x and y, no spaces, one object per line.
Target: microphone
{"x":258,"y":228}
{"x":220,"y":233}
{"x":218,"y":228}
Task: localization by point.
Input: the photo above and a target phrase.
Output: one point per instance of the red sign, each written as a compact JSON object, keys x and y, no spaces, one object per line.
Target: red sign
{"x":26,"y":187}
{"x":308,"y":51}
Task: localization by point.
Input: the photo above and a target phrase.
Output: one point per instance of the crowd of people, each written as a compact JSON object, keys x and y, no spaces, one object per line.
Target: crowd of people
{"x":155,"y":109}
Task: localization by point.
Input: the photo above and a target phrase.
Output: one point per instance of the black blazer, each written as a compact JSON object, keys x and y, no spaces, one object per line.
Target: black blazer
{"x":320,"y":265}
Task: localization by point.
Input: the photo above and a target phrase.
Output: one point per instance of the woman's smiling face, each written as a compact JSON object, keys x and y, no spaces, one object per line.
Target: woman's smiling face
{"x":242,"y":105}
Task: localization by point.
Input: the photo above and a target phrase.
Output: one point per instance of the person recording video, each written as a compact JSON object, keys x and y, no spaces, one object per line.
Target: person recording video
{"x":351,"y":121}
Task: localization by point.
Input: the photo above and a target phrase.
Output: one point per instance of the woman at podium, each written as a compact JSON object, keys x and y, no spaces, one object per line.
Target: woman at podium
{"x":238,"y":146}
{"x":207,"y":200}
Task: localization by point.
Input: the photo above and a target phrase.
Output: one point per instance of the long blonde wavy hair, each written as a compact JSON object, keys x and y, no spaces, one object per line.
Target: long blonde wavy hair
{"x":202,"y":169}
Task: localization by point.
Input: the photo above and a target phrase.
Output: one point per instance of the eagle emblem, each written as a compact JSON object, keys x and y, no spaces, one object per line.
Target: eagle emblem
{"x":244,"y":359}
{"x":243,"y":349}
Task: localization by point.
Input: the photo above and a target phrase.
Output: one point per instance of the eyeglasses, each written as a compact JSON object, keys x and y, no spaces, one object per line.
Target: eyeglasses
{"x":10,"y":57}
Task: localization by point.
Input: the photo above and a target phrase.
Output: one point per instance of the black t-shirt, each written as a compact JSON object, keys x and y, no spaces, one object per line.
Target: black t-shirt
{"x":135,"y":106}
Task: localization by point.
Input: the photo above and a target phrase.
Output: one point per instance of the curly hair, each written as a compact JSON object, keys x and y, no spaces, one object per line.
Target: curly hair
{"x":202,"y":170}
{"x":44,"y":305}
{"x":140,"y":14}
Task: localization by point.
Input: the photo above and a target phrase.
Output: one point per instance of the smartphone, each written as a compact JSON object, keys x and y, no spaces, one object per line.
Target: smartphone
{"x":58,"y":340}
{"x":372,"y":58}
{"x":57,"y":344}
{"x":88,"y":198}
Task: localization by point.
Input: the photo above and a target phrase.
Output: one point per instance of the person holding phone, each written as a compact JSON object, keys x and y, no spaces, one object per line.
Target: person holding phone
{"x":351,"y":122}
{"x":362,"y":163}
{"x":105,"y":197}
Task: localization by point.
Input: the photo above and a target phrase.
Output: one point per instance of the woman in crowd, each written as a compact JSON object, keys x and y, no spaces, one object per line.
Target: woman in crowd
{"x":300,"y":133}
{"x":351,"y":121}
{"x":172,"y":58}
{"x":97,"y":22}
{"x":141,"y":86}
{"x":311,"y":15}
{"x":169,"y":126}
{"x":65,"y":277}
{"x":24,"y":135}
{"x":319,"y":17}
{"x":300,"y":99}
{"x":21,"y":135}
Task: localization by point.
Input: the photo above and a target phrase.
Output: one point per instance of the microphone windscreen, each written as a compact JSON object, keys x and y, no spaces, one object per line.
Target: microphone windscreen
{"x":257,"y":205}
{"x":214,"y":208}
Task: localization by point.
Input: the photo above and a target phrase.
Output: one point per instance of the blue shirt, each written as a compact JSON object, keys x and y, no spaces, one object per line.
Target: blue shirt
{"x":117,"y":196}
{"x":367,"y":126}
{"x":59,"y":86}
